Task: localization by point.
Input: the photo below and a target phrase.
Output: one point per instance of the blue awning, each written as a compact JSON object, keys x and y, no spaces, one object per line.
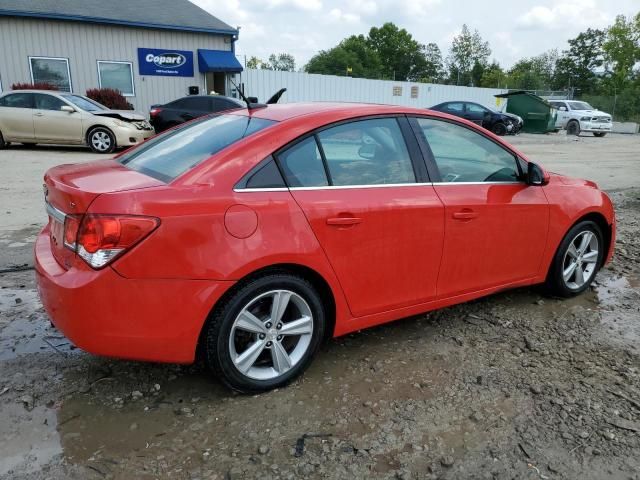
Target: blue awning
{"x":218,"y":61}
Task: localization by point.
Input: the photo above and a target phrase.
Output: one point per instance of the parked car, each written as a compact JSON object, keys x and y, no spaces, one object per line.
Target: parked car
{"x":174,"y":113}
{"x":45,"y":116}
{"x":250,"y":236}
{"x":577,"y":117}
{"x":500,"y":123}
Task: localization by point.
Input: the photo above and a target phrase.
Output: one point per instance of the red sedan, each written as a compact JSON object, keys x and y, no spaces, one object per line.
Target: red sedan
{"x":250,"y":236}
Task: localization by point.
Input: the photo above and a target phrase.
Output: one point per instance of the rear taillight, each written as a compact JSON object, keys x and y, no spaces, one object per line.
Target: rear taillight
{"x":154,"y":111}
{"x":100,"y":239}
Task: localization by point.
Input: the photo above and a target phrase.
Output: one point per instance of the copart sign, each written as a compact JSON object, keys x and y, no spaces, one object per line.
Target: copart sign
{"x":170,"y":63}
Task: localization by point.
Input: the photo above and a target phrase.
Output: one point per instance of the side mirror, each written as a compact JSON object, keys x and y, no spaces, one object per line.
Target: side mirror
{"x":367,"y":151}
{"x":536,"y":175}
{"x":67,"y":108}
{"x":563,"y":109}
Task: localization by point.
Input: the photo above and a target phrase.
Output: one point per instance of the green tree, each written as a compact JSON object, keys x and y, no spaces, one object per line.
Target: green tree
{"x":468,"y":50}
{"x":402,"y":57}
{"x":493,"y":76}
{"x":352,"y":53}
{"x":622,"y":49}
{"x":434,"y":70}
{"x":283,"y":62}
{"x":535,"y":73}
{"x":254,"y":63}
{"x":577,"y":66}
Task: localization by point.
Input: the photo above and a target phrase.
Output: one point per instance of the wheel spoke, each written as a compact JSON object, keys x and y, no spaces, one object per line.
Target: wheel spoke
{"x":591,"y":257}
{"x":301,"y":326}
{"x":579,"y":276}
{"x":279,"y":305}
{"x":246,"y":360}
{"x":568,"y":272}
{"x":280,"y":358}
{"x":249,"y":322}
{"x":584,"y":242}
{"x":572,"y":251}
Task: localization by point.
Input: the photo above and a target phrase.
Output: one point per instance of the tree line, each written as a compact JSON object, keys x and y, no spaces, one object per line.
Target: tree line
{"x":599,"y":65}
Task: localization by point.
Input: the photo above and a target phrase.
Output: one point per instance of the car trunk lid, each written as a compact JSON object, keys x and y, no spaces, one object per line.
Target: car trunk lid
{"x":70,"y":189}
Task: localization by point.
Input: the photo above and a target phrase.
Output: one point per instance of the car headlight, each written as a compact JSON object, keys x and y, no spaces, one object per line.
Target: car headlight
{"x":585,"y":119}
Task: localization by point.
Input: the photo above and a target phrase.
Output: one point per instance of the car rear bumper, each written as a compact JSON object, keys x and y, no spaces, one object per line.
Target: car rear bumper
{"x":106,"y":314}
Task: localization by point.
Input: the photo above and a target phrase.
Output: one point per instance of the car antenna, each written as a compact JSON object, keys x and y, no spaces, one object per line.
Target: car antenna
{"x":250,"y":105}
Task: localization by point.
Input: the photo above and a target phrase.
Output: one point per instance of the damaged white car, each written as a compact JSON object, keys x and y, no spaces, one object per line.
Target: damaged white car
{"x":44,"y":116}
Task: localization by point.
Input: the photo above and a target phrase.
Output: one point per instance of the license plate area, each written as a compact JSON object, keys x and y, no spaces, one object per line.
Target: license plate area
{"x":56,"y":233}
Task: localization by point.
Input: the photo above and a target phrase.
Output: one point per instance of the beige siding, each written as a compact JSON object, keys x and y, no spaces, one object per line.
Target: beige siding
{"x":85,"y":43}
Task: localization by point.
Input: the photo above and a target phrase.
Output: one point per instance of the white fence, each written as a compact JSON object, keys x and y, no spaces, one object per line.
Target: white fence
{"x":305,"y":87}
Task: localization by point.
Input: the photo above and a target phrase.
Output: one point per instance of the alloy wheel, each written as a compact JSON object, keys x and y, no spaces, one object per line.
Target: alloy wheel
{"x":101,"y":141}
{"x":580,"y":260}
{"x":271,"y":334}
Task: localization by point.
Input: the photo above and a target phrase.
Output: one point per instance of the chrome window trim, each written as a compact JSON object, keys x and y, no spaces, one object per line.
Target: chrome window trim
{"x":384,"y":185}
{"x":52,"y":211}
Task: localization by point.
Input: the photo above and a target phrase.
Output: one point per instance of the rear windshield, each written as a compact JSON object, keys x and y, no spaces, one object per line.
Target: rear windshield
{"x":170,"y":154}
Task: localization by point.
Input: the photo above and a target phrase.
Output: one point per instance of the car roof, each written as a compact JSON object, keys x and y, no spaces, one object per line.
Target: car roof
{"x":284,"y":111}
{"x":33,"y":90}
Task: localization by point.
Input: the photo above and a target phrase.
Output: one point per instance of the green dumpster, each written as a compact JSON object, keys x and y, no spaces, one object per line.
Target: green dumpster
{"x":537,"y":114}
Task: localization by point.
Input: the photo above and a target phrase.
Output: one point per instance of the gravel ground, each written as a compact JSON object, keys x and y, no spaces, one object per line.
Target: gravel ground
{"x":516,"y":385}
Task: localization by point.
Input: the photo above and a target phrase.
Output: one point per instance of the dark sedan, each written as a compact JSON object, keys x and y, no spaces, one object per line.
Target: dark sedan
{"x":499,"y":123}
{"x":163,"y":117}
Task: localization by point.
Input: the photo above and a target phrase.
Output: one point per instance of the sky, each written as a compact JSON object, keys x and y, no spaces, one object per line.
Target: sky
{"x":514,"y":29}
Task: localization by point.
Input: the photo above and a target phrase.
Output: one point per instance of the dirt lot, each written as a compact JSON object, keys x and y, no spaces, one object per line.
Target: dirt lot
{"x":516,"y":385}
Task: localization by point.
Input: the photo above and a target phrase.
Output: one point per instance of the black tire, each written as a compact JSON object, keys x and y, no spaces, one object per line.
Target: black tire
{"x":556,"y":283}
{"x":573,"y":128}
{"x":29,"y":144}
{"x":499,"y":129}
{"x":220,"y":326}
{"x":101,"y":140}
{"x":3,"y":144}
{"x":599,"y":134}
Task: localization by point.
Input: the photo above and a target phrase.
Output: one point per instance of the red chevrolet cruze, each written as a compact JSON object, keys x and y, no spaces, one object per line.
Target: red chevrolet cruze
{"x":252,"y":235}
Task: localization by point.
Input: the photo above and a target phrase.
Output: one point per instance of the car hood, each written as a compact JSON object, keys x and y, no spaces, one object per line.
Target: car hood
{"x":592,"y":113}
{"x":565,"y":180}
{"x":121,"y":115}
{"x":513,"y":116}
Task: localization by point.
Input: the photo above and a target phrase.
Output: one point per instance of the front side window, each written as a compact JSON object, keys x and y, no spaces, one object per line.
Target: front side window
{"x":48,"y":102}
{"x":579,"y":106}
{"x":54,"y":71}
{"x":17,"y":100}
{"x":174,"y":152}
{"x":367,"y":152}
{"x":473,"y":108}
{"x":454,"y":108}
{"x":463,"y":155}
{"x":116,"y":75}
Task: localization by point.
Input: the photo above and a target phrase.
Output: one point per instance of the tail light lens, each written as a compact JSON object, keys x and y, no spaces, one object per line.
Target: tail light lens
{"x":99,"y":239}
{"x":154,"y":111}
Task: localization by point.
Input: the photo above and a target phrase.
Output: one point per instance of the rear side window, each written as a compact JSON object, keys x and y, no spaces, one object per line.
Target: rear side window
{"x":268,"y":176}
{"x":302,"y":165}
{"x":171,"y":154}
{"x":17,"y":100}
{"x":191,"y":103}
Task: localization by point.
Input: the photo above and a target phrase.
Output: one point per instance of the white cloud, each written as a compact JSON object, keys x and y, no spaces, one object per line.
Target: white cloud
{"x":338,"y":15}
{"x":565,"y":14}
{"x":311,"y":5}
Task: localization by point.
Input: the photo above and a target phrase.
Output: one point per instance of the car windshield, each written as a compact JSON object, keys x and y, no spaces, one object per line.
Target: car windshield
{"x":580,"y":106}
{"x":174,"y":152}
{"x":85,"y":104}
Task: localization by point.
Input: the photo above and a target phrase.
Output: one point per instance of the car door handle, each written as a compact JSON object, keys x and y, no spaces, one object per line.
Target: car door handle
{"x":343,"y":221}
{"x":39,"y":114}
{"x":465,"y":215}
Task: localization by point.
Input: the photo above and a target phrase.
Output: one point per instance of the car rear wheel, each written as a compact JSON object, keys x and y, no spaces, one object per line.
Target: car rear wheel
{"x":2,"y":142}
{"x":266,"y":333}
{"x":577,"y":260}
{"x":101,"y":140}
{"x":499,"y":129}
{"x":599,"y":134}
{"x":573,"y":128}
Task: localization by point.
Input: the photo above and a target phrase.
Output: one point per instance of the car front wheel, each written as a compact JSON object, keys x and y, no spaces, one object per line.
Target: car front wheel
{"x":573,"y":128}
{"x":2,"y":142}
{"x":101,"y":140}
{"x":599,"y":134}
{"x":266,"y":333}
{"x":499,"y":129}
{"x":577,"y":260}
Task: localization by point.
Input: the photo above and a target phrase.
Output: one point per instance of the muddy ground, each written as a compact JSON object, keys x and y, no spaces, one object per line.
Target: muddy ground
{"x":516,"y":385}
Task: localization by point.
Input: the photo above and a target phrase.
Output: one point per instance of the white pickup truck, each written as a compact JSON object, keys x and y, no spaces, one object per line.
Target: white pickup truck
{"x":577,"y":117}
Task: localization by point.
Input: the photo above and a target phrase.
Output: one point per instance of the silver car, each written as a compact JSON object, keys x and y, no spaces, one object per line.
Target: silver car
{"x":44,"y":116}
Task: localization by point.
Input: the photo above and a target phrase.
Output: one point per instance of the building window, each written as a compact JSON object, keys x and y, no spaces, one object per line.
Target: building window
{"x":414,"y":91}
{"x":397,"y":91}
{"x":116,"y":75}
{"x":54,"y":71}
